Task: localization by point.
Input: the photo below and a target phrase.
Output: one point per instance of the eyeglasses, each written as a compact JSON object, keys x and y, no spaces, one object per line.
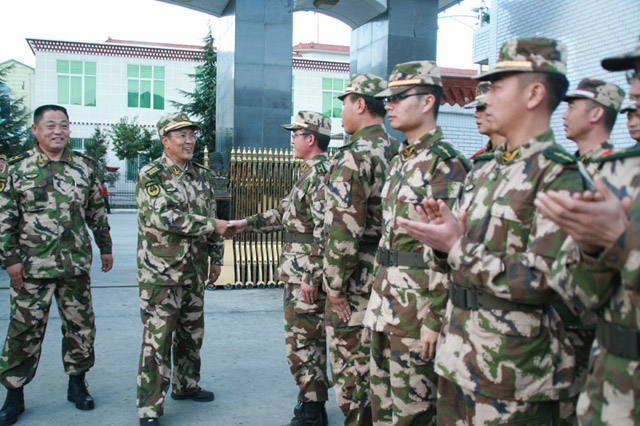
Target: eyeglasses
{"x":631,"y":75}
{"x":396,"y":98}
{"x":183,"y":136}
{"x":295,"y":135}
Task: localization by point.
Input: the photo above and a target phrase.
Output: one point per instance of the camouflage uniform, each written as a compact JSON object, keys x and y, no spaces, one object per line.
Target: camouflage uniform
{"x":405,"y":295}
{"x":301,"y":215}
{"x":45,"y":207}
{"x":176,"y":222}
{"x":352,"y":229}
{"x":503,"y":354}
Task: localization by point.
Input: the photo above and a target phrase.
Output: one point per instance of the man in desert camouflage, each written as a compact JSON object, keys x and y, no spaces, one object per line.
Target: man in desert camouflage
{"x":499,"y":251}
{"x":301,"y":216}
{"x":603,"y":274}
{"x":352,"y":229}
{"x":633,"y":120}
{"x":48,"y":197}
{"x":179,"y":247}
{"x":407,"y":301}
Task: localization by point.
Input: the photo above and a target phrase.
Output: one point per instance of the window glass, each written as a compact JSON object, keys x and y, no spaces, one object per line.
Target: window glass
{"x":158,"y":95}
{"x":63,"y":89}
{"x":158,"y":73}
{"x":145,"y":71}
{"x":145,"y":94}
{"x":76,"y":67}
{"x":90,"y":68}
{"x":132,"y":94}
{"x":326,"y":84}
{"x":62,"y":67}
{"x":133,"y":71}
{"x":76,"y":91}
{"x":90,"y":91}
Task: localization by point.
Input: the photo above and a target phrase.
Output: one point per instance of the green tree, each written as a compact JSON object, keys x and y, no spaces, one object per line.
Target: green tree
{"x":131,"y":141}
{"x":201,"y":104}
{"x":13,"y":120}
{"x":96,"y":148}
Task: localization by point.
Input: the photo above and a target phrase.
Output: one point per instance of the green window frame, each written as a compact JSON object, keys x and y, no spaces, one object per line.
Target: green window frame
{"x":145,"y":86}
{"x":331,"y":87}
{"x":77,"y":81}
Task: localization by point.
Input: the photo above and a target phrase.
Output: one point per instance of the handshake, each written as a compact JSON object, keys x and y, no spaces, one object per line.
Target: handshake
{"x":228,"y":229}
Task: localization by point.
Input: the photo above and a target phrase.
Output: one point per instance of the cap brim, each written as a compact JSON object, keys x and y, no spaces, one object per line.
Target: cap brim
{"x":182,"y":126}
{"x":620,"y":63}
{"x":473,"y":104}
{"x":390,"y":91}
{"x":292,"y":127}
{"x":489,"y":75}
{"x":627,"y":109}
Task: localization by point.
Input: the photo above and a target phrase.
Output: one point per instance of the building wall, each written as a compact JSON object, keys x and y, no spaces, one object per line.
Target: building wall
{"x":20,"y":80}
{"x":459,"y":126}
{"x":592,"y":30}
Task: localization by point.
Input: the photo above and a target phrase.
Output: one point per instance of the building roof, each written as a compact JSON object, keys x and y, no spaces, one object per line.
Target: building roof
{"x":155,"y":44}
{"x":112,"y":49}
{"x":16,"y":62}
{"x":333,"y":48}
{"x":458,"y":90}
{"x":315,"y":65}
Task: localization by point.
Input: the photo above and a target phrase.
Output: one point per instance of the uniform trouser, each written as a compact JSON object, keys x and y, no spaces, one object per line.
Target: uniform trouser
{"x":306,"y":343}
{"x":173,"y":319}
{"x":581,"y":340}
{"x":349,"y":349}
{"x":458,"y":406}
{"x":29,"y":313}
{"x":403,"y":384}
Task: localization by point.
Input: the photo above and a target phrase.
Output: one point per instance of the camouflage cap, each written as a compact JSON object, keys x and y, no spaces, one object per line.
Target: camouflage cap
{"x":364,"y":84}
{"x":410,"y":74}
{"x":628,"y":107}
{"x":481,"y":91}
{"x":312,"y":121}
{"x":607,"y":94}
{"x":623,"y":62}
{"x":533,"y":54}
{"x":174,"y":121}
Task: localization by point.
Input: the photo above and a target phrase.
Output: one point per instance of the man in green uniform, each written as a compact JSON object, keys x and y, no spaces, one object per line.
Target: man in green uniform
{"x":503,"y":355}
{"x":48,"y":197}
{"x":301,"y":216}
{"x":633,"y":120}
{"x":179,"y":247}
{"x":352,"y":229}
{"x":406,"y":299}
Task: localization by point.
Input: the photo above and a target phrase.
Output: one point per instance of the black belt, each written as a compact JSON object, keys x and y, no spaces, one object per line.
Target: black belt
{"x":470,"y":299}
{"x":401,"y":258}
{"x":368,"y":245}
{"x":619,"y":340}
{"x":292,"y":237}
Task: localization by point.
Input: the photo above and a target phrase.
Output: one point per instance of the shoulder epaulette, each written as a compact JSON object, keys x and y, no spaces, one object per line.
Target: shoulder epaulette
{"x":446,"y":150}
{"x":615,"y":155}
{"x":83,"y":155}
{"x":154,"y":170}
{"x":481,"y":155}
{"x":320,"y":168}
{"x":18,"y":157}
{"x":559,"y":155}
{"x":3,"y":157}
{"x":201,"y":166}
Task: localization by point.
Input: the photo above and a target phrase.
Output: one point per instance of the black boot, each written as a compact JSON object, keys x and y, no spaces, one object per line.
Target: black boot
{"x":309,"y":413}
{"x":78,"y":393}
{"x":13,"y":407}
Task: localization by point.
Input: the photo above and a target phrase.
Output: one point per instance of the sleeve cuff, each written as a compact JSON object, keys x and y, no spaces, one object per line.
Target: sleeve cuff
{"x":12,"y":260}
{"x":456,"y":254}
{"x":105,"y":250}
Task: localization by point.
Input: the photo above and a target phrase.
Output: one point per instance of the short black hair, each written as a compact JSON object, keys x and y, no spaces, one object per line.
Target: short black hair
{"x":430,"y":89}
{"x":555,"y":83}
{"x":39,"y":112}
{"x":374,"y":105}
{"x":608,"y":117}
{"x":323,"y":140}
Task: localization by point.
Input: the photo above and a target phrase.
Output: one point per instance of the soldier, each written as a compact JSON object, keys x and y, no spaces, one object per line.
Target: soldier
{"x":406,"y":302}
{"x":352,"y":228}
{"x":179,"y":246}
{"x":633,"y":121}
{"x":604,"y":275}
{"x":503,"y":355}
{"x":48,"y":197}
{"x":301,"y":216}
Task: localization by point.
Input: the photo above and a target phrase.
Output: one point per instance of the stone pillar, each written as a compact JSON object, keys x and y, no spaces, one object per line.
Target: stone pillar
{"x":407,"y":31}
{"x":254,"y":75}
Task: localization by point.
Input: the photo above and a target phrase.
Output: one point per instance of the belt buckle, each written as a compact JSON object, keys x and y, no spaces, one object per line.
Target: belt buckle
{"x":384,"y":257}
{"x":458,"y":296}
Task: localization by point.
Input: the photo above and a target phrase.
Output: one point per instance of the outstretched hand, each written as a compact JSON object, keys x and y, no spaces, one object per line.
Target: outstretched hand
{"x":439,"y":229}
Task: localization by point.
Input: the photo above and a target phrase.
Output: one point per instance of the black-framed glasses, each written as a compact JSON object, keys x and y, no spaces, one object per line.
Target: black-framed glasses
{"x":631,"y":75}
{"x":295,"y":135}
{"x":396,"y":98}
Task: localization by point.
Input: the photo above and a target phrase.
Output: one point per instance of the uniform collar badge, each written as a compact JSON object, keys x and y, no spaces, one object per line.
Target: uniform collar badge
{"x":41,"y":160}
{"x":176,"y":170}
{"x":3,"y":184}
{"x":509,"y":156}
{"x":304,"y":168}
{"x":409,"y":151}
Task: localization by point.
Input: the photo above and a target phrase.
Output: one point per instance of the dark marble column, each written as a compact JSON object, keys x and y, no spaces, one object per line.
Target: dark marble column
{"x":254,"y":75}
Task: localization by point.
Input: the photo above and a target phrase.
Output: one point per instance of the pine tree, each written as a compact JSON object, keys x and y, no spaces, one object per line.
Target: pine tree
{"x":13,"y":120}
{"x":96,"y":148}
{"x":201,"y":105}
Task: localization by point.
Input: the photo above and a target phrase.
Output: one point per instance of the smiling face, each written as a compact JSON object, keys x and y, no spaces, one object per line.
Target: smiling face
{"x":52,"y":132}
{"x":179,"y":145}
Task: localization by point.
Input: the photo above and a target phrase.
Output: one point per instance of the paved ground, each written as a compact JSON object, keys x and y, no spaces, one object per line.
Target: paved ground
{"x":243,"y":355}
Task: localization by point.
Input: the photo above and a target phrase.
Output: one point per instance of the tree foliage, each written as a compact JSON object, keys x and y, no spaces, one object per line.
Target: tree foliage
{"x":201,"y":103}
{"x":96,"y":148}
{"x":13,"y":120}
{"x":131,"y":141}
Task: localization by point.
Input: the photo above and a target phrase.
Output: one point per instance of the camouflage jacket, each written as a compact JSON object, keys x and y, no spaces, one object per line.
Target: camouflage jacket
{"x":45,"y":208}
{"x":354,"y":210}
{"x":301,"y":212}
{"x":403,"y":298}
{"x":176,"y":222}
{"x":507,"y":251}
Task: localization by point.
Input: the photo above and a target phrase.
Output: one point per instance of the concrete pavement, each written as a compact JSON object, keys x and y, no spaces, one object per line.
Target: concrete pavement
{"x":243,"y":355}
